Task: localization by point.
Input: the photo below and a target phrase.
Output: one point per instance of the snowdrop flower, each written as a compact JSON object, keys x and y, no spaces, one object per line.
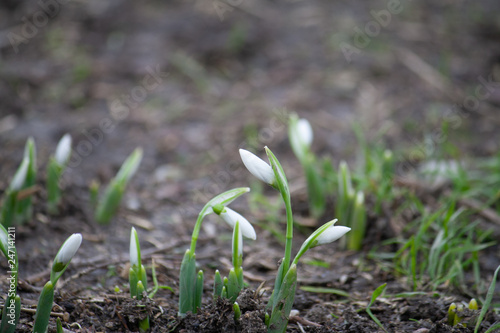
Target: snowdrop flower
{"x":230,"y":216}
{"x":63,"y":149}
{"x":304,"y":132}
{"x":68,"y":250}
{"x":257,"y":167}
{"x":331,"y":235}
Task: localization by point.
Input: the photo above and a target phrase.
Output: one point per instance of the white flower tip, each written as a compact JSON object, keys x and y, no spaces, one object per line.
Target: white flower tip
{"x":257,"y":167}
{"x":68,"y":249}
{"x":20,"y":176}
{"x":332,"y":234}
{"x":247,"y":230}
{"x":304,"y":132}
{"x":63,"y":149}
{"x":134,"y":256}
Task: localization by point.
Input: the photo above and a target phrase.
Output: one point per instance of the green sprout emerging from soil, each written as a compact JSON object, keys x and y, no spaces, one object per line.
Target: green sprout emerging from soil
{"x":110,"y":201}
{"x":190,"y":281}
{"x":60,"y":264}
{"x":17,"y":205}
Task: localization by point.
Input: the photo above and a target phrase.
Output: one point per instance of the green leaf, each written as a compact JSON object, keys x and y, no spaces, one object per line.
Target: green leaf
{"x":379,"y":291}
{"x":129,"y":167}
{"x":284,"y":302}
{"x":224,"y":199}
{"x":59,"y":327}
{"x":187,"y":283}
{"x":487,"y":301}
{"x":217,"y":285}
{"x":132,"y":281}
{"x":323,"y":290}
{"x":108,"y":205}
{"x":9,"y":323}
{"x":140,"y":289}
{"x":199,"y":291}
{"x":233,"y":286}
{"x":44,"y":308}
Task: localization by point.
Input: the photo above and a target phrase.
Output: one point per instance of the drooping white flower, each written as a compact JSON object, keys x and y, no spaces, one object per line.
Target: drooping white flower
{"x":331,"y":234}
{"x":257,"y":167}
{"x":304,"y":132}
{"x":68,"y":249}
{"x":134,"y":255}
{"x":230,"y":216}
{"x":63,"y":150}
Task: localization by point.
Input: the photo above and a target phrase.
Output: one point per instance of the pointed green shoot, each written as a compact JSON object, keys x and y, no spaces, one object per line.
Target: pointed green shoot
{"x":199,"y":290}
{"x":379,"y":291}
{"x":187,"y":284}
{"x":10,"y":202}
{"x":218,"y":284}
{"x":109,"y":203}
{"x":237,"y":311}
{"x":278,"y":320}
{"x":358,"y":223}
{"x":44,"y":308}
{"x":233,"y":286}
{"x":24,"y":209}
{"x":487,"y":301}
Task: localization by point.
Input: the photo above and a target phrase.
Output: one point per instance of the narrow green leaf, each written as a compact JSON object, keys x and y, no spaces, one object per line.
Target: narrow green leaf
{"x":108,"y":205}
{"x":217,"y":285}
{"x":140,"y":289}
{"x":187,"y":283}
{"x":487,"y":301}
{"x":198,"y":291}
{"x":59,"y":327}
{"x":285,"y":298}
{"x":324,"y":290}
{"x":132,"y":281}
{"x":379,"y":291}
{"x":44,"y":308}
{"x":129,"y":167}
{"x":233,"y":286}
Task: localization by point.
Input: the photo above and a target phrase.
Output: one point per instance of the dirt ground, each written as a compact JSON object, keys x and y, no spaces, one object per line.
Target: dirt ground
{"x":191,"y":82}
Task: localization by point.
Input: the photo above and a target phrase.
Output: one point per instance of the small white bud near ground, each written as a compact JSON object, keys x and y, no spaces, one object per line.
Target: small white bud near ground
{"x":134,"y":255}
{"x":68,"y":249}
{"x":63,"y":150}
{"x":257,"y":167}
{"x":304,"y":132}
{"x":20,"y":176}
{"x":230,"y":216}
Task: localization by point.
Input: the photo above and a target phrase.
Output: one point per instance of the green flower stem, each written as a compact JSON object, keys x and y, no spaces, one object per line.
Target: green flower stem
{"x":197,"y":227}
{"x":289,"y":235}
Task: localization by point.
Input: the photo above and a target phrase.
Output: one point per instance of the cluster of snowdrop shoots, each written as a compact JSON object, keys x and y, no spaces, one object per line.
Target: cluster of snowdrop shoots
{"x":282,"y":298}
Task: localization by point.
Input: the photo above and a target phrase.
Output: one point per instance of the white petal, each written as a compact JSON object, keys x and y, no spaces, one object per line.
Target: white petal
{"x":257,"y":167}
{"x":305,"y":131}
{"x":332,"y":234}
{"x":230,"y":216}
{"x":63,"y":149}
{"x":68,"y":249}
{"x":20,"y":176}
{"x":134,"y":256}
